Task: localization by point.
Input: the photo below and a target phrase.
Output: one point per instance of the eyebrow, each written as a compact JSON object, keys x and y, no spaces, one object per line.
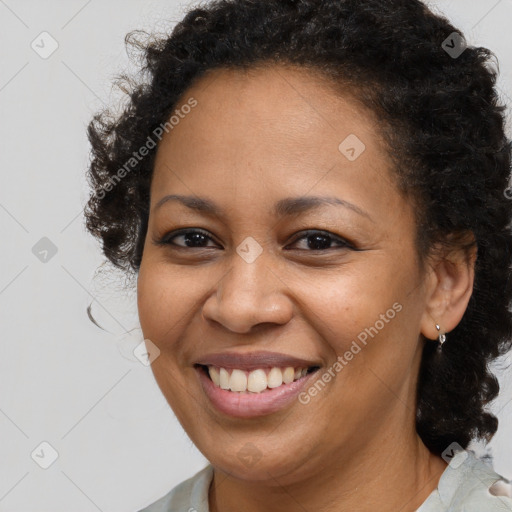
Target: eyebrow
{"x":283,"y":208}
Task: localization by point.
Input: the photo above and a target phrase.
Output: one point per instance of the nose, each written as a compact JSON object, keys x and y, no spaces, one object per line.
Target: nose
{"x":249,"y":294}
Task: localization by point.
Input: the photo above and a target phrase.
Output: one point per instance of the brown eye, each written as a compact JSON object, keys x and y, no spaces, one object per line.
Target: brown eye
{"x":191,"y":238}
{"x":315,"y":240}
{"x":322,"y":240}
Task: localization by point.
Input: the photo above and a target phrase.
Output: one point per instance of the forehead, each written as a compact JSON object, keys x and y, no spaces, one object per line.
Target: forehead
{"x":288,"y":99}
{"x":280,"y":129}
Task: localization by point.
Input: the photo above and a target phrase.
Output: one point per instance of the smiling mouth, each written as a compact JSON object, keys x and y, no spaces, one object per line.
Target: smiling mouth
{"x":257,"y":381}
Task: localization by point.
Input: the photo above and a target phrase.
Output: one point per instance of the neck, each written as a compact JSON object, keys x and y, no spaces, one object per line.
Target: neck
{"x":382,"y":476}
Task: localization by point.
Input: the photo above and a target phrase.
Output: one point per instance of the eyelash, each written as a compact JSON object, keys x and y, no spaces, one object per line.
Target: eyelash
{"x":166,"y":240}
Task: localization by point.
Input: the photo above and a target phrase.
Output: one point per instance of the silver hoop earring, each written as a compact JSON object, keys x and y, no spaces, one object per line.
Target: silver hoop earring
{"x":442,"y":337}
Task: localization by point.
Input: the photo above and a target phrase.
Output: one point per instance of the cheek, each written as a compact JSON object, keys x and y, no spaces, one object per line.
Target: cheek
{"x":159,"y":298}
{"x":366,"y":322}
{"x":342,"y":303}
{"x":168,"y":298}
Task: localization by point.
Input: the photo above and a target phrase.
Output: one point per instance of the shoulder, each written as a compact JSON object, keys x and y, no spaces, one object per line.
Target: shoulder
{"x":464,"y":487}
{"x":191,"y":495}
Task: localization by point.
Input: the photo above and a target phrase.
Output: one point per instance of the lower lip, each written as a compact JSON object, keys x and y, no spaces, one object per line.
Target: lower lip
{"x":250,"y":405}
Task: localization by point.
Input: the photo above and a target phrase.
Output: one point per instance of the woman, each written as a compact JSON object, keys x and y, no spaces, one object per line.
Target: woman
{"x":312,"y":195}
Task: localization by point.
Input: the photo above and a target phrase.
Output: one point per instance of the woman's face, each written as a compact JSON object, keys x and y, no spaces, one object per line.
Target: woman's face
{"x":350,"y":299}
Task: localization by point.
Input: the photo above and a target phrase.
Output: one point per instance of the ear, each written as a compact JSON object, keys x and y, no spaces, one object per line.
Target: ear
{"x":449,"y":286}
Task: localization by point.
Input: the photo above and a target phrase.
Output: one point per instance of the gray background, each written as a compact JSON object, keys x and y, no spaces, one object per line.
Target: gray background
{"x":63,"y":380}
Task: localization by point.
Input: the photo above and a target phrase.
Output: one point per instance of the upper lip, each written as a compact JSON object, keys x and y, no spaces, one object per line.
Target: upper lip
{"x":254,"y":360}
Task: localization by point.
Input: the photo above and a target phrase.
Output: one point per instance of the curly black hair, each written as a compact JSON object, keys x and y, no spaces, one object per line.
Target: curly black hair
{"x":443,"y":123}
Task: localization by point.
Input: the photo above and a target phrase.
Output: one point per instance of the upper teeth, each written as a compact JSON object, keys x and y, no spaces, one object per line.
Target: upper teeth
{"x":255,"y":381}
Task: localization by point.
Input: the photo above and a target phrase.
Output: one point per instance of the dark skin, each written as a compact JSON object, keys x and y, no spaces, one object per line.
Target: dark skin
{"x":253,"y":139}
